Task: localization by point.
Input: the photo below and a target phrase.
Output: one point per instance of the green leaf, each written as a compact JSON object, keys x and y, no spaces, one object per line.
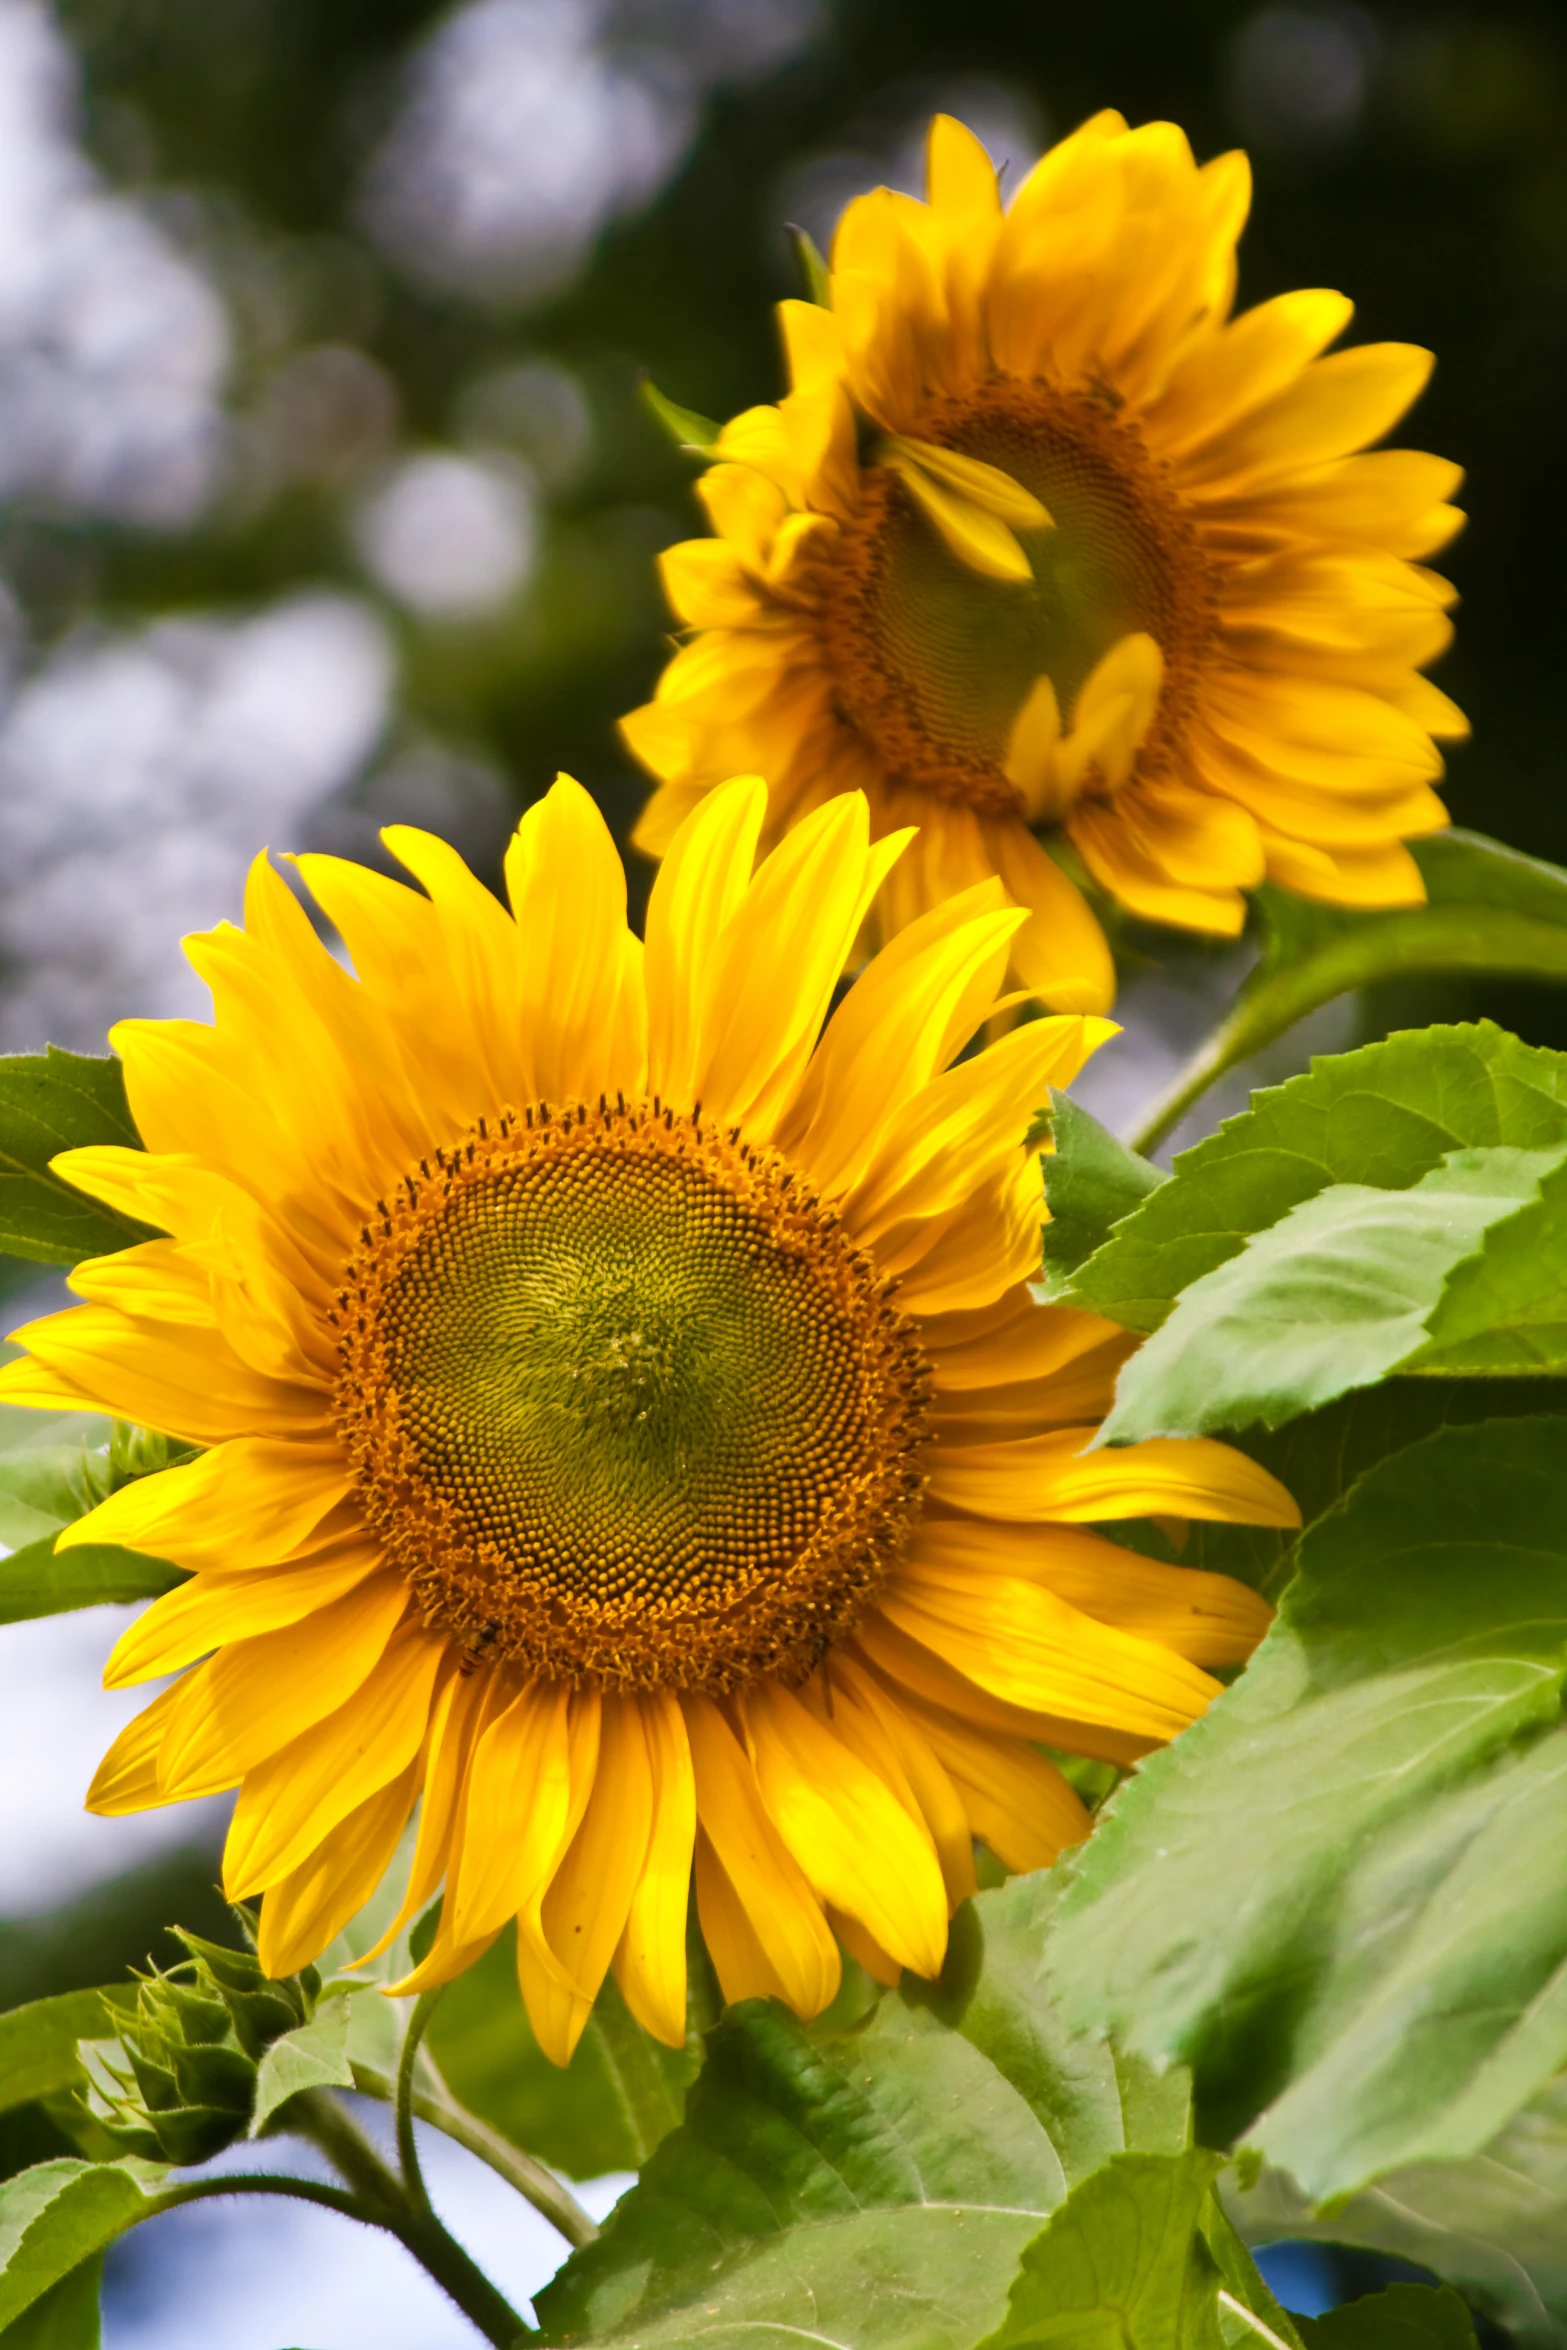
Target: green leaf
{"x":620,"y":2095}
{"x":1384,"y":1116}
{"x":57,"y":2215}
{"x":1494,"y":2226}
{"x":696,"y":435}
{"x":50,"y":1487}
{"x":1327,"y":1897}
{"x":64,"y":2318}
{"x":1319,"y":1457}
{"x":38,"y":2042}
{"x":1122,"y":2265}
{"x":1491,"y":910}
{"x":1355,"y":1284}
{"x":1405,"y":2317}
{"x":313,"y":2056}
{"x":49,"y":1102}
{"x":874,"y":2187}
{"x":41,"y":1581}
{"x":1091,"y":1182}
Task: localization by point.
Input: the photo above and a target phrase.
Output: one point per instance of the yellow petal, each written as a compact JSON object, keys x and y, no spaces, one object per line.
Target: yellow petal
{"x":256,"y":1695}
{"x":1061,"y":952}
{"x":516,"y":1816}
{"x":1017,"y":1802}
{"x":698,"y":888}
{"x":974,"y":534}
{"x":254,"y":1501}
{"x":300,"y":1792}
{"x":191,"y":1385}
{"x":581,"y":978}
{"x":908,"y":1670}
{"x":585,"y":1909}
{"x":1028,"y":1646}
{"x":212,"y":1609}
{"x":1053,"y":1476}
{"x":856,"y":1843}
{"x":127,"y":1778}
{"x":885,"y":1737}
{"x":910,"y":1010}
{"x":303,"y":1911}
{"x":757,"y":1895}
{"x":650,"y":1964}
{"x":465,"y":1705}
{"x":1209,"y":1619}
{"x":780,"y":958}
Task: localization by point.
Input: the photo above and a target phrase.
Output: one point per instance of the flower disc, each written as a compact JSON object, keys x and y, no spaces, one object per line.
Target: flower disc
{"x":627,"y":1404}
{"x":934,"y":660}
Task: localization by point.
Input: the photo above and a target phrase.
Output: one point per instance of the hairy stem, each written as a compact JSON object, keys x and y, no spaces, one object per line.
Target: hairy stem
{"x":379,"y":2195}
{"x":407,"y":2148}
{"x":319,"y":2116}
{"x":537,"y":2185}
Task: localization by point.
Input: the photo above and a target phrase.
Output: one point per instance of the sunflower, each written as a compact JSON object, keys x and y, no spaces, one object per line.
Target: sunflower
{"x":630,"y":1435}
{"x":1042,"y":539}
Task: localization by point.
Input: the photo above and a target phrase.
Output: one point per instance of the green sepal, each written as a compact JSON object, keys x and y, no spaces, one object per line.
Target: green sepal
{"x":815,"y":275}
{"x":694,"y":435}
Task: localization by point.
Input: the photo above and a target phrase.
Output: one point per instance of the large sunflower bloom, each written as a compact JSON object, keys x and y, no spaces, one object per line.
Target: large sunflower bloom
{"x":631,"y":1436}
{"x":1043,"y":539}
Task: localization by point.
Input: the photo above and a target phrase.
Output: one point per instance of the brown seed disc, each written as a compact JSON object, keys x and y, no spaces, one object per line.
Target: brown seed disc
{"x":626,"y":1404}
{"x":933,"y":662}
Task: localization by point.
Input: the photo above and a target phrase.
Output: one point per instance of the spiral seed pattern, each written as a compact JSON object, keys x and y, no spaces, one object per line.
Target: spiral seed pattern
{"x":625,"y":1402}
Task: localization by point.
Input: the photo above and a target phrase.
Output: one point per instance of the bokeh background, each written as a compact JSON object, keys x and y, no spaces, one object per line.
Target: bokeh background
{"x":327,"y":500}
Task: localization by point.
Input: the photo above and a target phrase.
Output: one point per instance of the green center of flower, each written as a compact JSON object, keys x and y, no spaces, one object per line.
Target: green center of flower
{"x":626,"y":1403}
{"x":934,"y":659}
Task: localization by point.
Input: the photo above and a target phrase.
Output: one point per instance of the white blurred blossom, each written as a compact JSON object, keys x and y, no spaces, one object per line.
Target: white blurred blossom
{"x":138,"y":777}
{"x":449,"y":535}
{"x":529,"y":125}
{"x":113,"y":347}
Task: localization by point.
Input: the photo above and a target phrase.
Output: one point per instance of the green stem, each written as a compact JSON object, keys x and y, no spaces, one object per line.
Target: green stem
{"x":407,"y":2148}
{"x":1427,"y":940}
{"x":539,"y":2186}
{"x":263,"y":2182}
{"x":380,"y":2196}
{"x":317,"y":2115}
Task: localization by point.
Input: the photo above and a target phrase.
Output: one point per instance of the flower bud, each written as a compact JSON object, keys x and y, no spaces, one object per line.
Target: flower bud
{"x":178,"y":2082}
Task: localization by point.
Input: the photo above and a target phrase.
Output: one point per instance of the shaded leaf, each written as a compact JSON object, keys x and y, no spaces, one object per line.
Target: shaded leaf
{"x":874,"y":2187}
{"x":1327,"y":1896}
{"x":1353,"y":1285}
{"x":1091,"y":1182}
{"x":620,"y":2095}
{"x":64,"y":2318}
{"x":1405,"y":2317}
{"x":54,"y":1101}
{"x":696,"y":435}
{"x":1383,"y":1116}
{"x":57,"y":2215}
{"x":312,"y":2056}
{"x":48,"y":1487}
{"x":38,"y":1580}
{"x":1318,"y":1458}
{"x":1495,"y":2226}
{"x":1122,"y":2265}
{"x":38,"y":2042}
